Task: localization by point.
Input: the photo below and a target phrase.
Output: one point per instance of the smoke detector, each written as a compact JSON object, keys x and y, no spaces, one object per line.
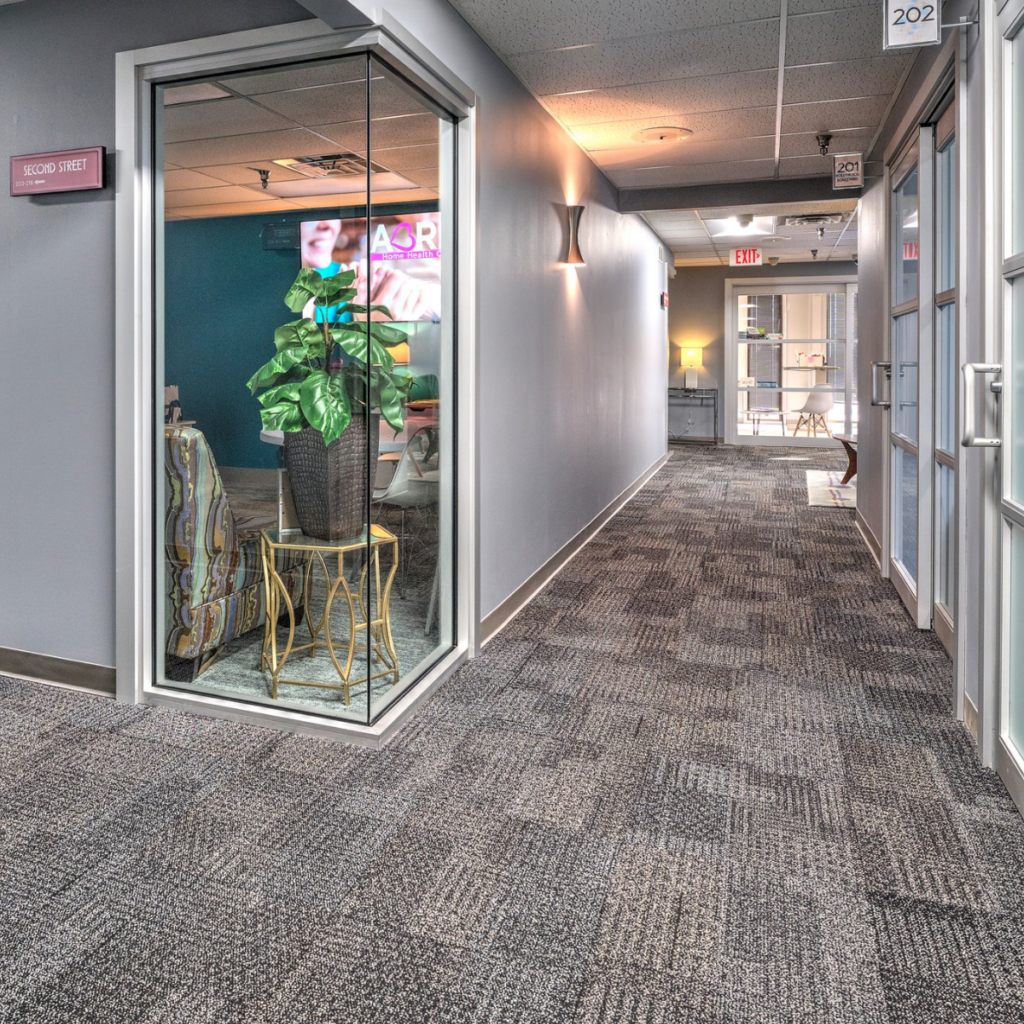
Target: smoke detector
{"x":663,"y":133}
{"x":773,"y":261}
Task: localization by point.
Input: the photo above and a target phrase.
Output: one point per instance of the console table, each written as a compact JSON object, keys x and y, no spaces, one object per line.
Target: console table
{"x":700,"y":395}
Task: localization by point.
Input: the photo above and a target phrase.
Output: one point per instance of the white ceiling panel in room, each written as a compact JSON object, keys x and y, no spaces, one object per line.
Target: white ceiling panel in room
{"x":230,"y":210}
{"x":685,"y":154}
{"x":245,"y":148}
{"x":429,"y":176}
{"x":813,"y":6}
{"x":815,"y":117}
{"x":804,"y":166}
{"x":215,"y":196}
{"x":349,"y":69}
{"x":214,"y":118}
{"x":749,"y":46}
{"x":724,"y":125}
{"x":784,"y":209}
{"x":175,"y":180}
{"x":848,"y":34}
{"x":657,"y":99}
{"x":521,"y":26}
{"x":696,"y":174}
{"x":845,"y":79}
{"x":388,"y":133}
{"x":248,"y":173}
{"x":405,"y":157}
{"x":333,"y":104}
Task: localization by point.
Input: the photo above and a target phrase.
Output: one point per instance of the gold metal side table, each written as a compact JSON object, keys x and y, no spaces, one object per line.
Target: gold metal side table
{"x":380,"y":646}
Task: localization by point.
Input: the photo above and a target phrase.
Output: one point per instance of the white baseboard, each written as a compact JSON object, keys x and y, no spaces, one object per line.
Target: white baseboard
{"x":870,"y":539}
{"x":495,"y":621}
{"x":971,"y":718}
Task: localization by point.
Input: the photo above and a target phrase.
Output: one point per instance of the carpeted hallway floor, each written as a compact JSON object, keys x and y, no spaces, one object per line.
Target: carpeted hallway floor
{"x":708,"y":777}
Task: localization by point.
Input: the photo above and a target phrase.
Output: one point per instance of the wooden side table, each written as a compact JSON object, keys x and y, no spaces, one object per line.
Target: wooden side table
{"x":849,"y":442}
{"x":380,"y":645}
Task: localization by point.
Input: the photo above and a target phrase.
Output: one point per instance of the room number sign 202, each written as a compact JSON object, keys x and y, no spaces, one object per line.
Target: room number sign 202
{"x":912,"y":23}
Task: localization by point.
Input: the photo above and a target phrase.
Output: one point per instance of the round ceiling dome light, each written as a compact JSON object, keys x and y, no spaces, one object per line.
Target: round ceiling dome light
{"x":663,"y":133}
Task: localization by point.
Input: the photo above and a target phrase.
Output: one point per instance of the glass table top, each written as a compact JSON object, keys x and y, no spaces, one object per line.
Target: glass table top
{"x":297,"y":540}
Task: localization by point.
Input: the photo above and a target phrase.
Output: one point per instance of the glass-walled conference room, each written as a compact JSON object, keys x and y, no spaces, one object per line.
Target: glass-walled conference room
{"x":304,"y":455}
{"x":791,"y":358}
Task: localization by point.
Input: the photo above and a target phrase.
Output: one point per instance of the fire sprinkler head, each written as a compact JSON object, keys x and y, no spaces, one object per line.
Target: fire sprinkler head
{"x":814,"y":254}
{"x":823,"y":140}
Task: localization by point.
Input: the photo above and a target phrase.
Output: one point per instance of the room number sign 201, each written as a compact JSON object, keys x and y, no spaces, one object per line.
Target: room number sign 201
{"x":912,"y":23}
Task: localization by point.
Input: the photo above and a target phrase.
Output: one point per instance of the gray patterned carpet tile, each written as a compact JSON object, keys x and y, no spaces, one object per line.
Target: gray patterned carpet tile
{"x":709,"y":776}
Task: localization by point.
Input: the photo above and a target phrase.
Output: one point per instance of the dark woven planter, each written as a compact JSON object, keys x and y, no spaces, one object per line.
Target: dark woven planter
{"x":329,"y":482}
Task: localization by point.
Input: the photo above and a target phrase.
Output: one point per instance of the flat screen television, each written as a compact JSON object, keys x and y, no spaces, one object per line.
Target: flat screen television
{"x":404,"y":268}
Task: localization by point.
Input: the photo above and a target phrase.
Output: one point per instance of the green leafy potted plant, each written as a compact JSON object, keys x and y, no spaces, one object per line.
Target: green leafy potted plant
{"x":330,"y":409}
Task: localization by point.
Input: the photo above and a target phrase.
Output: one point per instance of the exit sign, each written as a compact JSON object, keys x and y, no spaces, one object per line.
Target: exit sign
{"x":745,"y":258}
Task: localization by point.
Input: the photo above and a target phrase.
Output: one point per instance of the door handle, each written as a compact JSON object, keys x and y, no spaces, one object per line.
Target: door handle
{"x":875,"y":367}
{"x":968,"y":373}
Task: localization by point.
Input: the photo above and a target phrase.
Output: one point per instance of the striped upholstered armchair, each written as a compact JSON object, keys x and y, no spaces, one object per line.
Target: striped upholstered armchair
{"x":214,"y":570}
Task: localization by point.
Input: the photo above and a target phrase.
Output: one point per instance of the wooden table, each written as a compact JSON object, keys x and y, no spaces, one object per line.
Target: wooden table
{"x":849,"y":442}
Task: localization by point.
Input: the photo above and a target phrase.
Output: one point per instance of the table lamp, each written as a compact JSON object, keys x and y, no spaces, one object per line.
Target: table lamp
{"x":691,"y":359}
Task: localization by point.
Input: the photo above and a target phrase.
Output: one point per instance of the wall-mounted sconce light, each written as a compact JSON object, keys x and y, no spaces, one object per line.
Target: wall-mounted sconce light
{"x":573,"y":255}
{"x":691,"y":359}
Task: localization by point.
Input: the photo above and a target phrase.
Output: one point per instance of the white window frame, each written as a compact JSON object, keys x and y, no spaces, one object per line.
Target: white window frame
{"x":136,"y":298}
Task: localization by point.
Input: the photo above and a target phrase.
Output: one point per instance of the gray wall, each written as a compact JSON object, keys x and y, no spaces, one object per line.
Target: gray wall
{"x":696,"y":317}
{"x":57,"y":312}
{"x":571,"y":362}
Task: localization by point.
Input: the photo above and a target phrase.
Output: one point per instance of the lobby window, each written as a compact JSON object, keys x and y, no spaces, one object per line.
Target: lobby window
{"x":305,"y":458}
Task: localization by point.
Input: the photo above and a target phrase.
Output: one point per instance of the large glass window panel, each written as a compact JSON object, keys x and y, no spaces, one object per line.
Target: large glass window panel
{"x":945,"y":537}
{"x":1015,"y":433}
{"x":905,"y":376}
{"x":945,"y":378}
{"x":906,"y":236}
{"x":1014,"y":626}
{"x":1016,"y":112}
{"x":259,"y":520}
{"x":945,"y":217}
{"x":904,"y":515}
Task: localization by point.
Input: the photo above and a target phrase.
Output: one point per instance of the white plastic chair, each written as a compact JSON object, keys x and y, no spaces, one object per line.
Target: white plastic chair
{"x":814,"y":412}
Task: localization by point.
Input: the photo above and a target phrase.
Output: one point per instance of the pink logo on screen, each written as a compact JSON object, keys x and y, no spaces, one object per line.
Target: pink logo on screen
{"x":406,"y":242}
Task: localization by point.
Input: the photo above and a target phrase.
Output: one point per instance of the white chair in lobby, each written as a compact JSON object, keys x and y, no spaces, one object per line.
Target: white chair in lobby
{"x":814,"y":412}
{"x":414,"y":485}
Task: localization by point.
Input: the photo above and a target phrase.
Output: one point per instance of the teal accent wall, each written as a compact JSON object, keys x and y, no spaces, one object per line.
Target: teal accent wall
{"x":224,"y":298}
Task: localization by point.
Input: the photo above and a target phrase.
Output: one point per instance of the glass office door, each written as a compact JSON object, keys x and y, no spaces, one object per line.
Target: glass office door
{"x":909,"y":421}
{"x":944,"y":318}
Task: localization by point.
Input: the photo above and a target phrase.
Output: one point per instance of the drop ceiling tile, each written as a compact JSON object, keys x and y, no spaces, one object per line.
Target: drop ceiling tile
{"x":815,"y":117}
{"x":669,"y":56}
{"x":722,"y":125}
{"x":213,"y":196}
{"x":231,"y":209}
{"x":417,"y":195}
{"x":332,"y":104}
{"x":654,"y":99}
{"x":685,"y":154}
{"x":783,"y":209}
{"x":347,"y":69}
{"x":842,"y":142}
{"x":246,"y":173}
{"x":519,"y":26}
{"x":852,"y":33}
{"x":175,"y":180}
{"x":698,"y":174}
{"x":218,"y":117}
{"x":429,"y":176}
{"x":246,"y":148}
{"x":846,"y":78}
{"x":405,"y":158}
{"x":390,"y":133}
{"x":811,"y":6}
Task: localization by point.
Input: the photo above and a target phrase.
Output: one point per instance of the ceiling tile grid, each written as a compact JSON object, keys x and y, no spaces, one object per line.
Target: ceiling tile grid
{"x":608,"y":68}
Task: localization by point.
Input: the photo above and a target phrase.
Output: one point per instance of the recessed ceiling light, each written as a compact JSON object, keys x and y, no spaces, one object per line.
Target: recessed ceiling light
{"x":663,"y":133}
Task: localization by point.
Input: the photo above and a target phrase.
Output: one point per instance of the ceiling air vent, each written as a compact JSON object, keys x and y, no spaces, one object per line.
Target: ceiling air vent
{"x":814,"y":220}
{"x":331,"y":165}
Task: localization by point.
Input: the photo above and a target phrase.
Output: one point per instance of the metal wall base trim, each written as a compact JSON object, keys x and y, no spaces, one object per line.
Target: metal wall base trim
{"x":44,"y":668}
{"x":495,"y":621}
{"x":870,"y":539}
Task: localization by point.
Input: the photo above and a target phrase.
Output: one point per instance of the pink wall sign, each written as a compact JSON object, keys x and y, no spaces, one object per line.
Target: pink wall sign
{"x":71,"y":170}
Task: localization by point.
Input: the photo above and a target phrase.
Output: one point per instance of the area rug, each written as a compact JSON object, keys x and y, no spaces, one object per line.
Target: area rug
{"x":826,"y":489}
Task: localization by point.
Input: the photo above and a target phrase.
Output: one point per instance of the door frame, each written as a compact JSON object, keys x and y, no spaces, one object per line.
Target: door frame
{"x":730,"y":361}
{"x":136,"y":297}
